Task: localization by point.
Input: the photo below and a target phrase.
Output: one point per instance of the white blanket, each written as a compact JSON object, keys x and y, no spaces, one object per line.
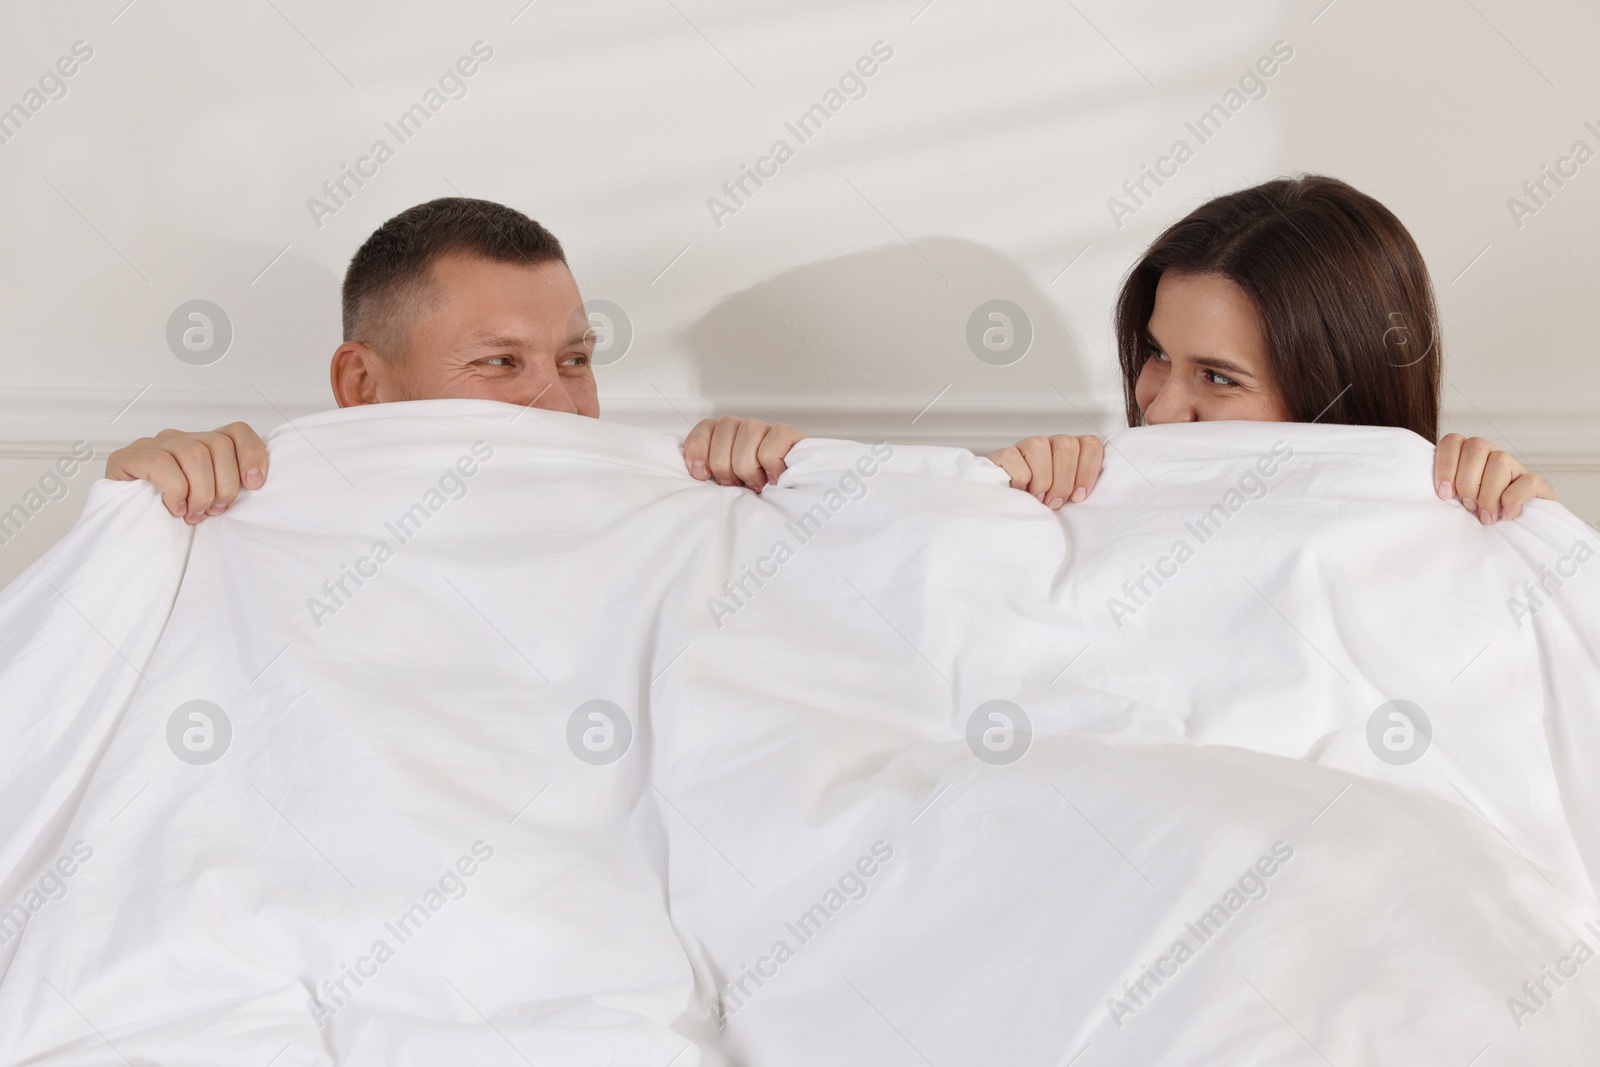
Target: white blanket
{"x":483,"y":735}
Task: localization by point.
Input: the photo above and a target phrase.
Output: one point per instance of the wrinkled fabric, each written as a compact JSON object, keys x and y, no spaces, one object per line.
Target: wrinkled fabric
{"x":483,"y":734}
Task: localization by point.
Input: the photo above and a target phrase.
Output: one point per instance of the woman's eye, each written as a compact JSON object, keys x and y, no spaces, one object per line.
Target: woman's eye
{"x":1219,"y":379}
{"x":1159,"y":356}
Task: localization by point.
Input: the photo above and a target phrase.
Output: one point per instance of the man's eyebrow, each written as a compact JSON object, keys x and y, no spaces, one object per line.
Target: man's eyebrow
{"x":584,"y":336}
{"x":501,"y":341}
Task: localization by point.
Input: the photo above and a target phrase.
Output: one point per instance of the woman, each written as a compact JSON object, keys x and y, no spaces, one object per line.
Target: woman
{"x":1301,"y":300}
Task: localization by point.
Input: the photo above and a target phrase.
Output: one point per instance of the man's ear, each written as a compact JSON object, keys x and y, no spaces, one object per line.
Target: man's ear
{"x":356,"y":372}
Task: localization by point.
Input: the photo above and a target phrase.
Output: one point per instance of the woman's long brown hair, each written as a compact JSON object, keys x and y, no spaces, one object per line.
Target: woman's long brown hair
{"x":1343,"y":295}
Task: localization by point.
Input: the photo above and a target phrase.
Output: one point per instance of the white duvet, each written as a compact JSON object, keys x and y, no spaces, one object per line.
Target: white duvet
{"x":483,"y":735}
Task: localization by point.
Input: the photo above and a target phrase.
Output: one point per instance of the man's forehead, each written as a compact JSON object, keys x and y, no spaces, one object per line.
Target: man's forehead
{"x":510,"y":305}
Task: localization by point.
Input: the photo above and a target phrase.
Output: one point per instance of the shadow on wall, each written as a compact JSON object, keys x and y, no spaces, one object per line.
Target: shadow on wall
{"x":891,"y":326}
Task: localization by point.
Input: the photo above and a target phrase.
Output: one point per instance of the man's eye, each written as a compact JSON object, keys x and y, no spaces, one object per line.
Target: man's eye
{"x":497,"y":361}
{"x":580,"y":360}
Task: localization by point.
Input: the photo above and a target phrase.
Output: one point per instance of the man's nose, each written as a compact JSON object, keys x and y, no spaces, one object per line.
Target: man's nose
{"x":1172,"y":404}
{"x":544,"y":388}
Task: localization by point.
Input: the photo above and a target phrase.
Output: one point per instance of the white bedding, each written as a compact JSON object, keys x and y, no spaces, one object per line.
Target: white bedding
{"x":785,"y":760}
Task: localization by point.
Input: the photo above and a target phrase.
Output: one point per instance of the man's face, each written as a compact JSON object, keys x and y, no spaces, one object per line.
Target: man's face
{"x":498,"y":331}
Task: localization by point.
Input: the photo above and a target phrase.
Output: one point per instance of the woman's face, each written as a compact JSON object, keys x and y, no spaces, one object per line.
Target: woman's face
{"x":1211,"y":359}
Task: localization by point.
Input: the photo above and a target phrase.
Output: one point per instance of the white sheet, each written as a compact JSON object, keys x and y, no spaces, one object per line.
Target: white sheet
{"x":786,"y":734}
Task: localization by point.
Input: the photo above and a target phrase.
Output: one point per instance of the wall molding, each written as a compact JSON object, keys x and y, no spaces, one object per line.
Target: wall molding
{"x":1550,"y":433}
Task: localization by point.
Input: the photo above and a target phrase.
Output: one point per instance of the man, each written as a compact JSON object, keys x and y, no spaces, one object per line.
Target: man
{"x":454,"y":298}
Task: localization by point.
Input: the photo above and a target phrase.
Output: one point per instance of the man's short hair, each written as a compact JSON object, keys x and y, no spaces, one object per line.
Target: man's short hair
{"x":389,"y":284}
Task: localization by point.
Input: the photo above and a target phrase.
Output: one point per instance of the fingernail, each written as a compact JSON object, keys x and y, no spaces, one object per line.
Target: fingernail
{"x":1039,"y":496}
{"x":1469,"y":504}
{"x":252,"y":478}
{"x":216,"y":509}
{"x":1055,"y":503}
{"x":1483,"y":517}
{"x":182,"y":509}
{"x":1079,"y":494}
{"x":1445,"y":489}
{"x":700,"y":470}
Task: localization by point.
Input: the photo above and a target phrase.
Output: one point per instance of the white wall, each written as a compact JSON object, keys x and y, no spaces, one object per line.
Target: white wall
{"x":977,"y":166}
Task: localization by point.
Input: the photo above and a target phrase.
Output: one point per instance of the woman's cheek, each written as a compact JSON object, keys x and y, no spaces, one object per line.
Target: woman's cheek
{"x":1273,"y":409}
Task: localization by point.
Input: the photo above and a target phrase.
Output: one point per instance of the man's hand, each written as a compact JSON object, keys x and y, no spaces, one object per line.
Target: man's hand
{"x":733,"y":451}
{"x":1054,"y":469}
{"x":1489,"y":482}
{"x":197,"y":474}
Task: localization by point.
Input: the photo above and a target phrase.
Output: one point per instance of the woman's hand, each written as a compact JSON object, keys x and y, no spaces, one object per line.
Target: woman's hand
{"x":1054,"y":469}
{"x":1489,"y":482}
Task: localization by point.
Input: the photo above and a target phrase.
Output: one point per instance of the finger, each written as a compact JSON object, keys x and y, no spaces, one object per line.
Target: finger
{"x":774,"y":451}
{"x":697,"y":446}
{"x":195,"y":459}
{"x":1500,"y":471}
{"x":1469,"y":470}
{"x":1445,"y":459}
{"x":1064,"y":451}
{"x":723,"y":437}
{"x":224,"y":470}
{"x":126,"y":464}
{"x":251,"y":451}
{"x":1521,"y":490}
{"x":1036,"y":452}
{"x":1091,"y":459}
{"x":747,"y":441}
{"x":153,"y":465}
{"x":1010,"y":460}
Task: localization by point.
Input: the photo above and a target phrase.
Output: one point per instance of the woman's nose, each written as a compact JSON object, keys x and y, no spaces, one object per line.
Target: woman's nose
{"x":1171,"y":404}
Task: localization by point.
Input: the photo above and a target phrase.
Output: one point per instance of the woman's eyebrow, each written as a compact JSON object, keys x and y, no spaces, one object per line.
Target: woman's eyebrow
{"x":1217,"y":363}
{"x":1228,"y":367}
